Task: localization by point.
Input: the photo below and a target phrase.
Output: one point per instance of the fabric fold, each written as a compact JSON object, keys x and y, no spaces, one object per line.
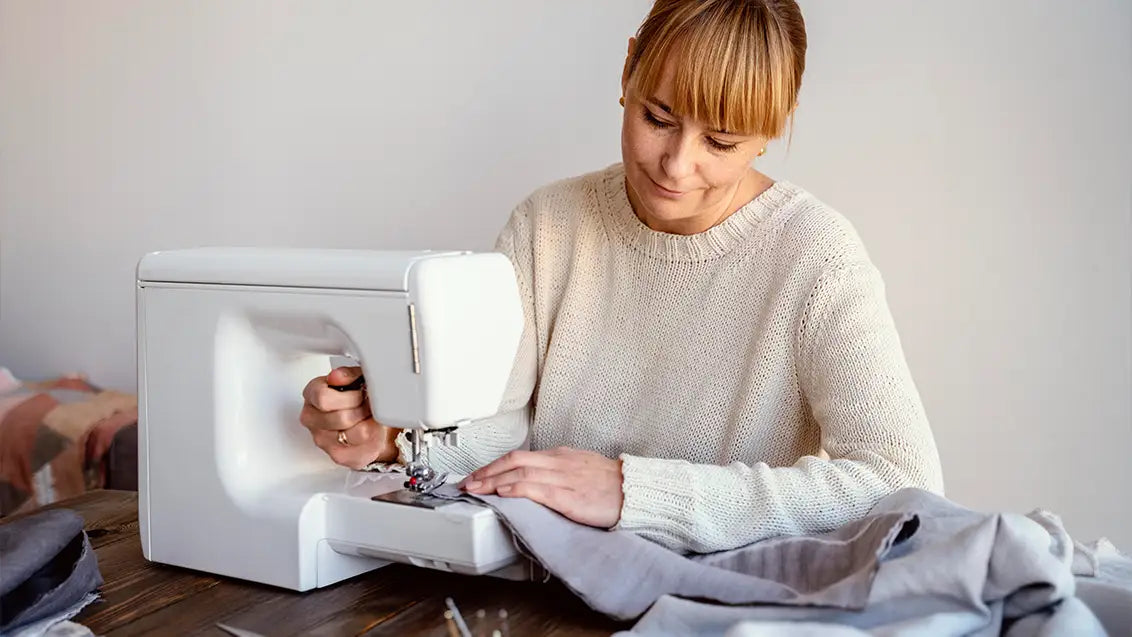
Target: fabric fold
{"x":622,"y":575}
{"x":916,"y":564}
{"x":48,"y":568}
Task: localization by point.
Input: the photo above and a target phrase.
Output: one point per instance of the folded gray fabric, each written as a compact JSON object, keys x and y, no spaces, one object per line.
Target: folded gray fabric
{"x":47,"y":567}
{"x":962,"y":573}
{"x":621,"y":574}
{"x":917,"y":564}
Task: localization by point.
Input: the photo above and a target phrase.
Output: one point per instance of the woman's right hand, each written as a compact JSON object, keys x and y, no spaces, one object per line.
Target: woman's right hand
{"x":335,"y":417}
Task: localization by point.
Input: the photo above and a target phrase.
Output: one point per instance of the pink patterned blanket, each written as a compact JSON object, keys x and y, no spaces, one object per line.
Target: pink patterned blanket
{"x":54,"y":435}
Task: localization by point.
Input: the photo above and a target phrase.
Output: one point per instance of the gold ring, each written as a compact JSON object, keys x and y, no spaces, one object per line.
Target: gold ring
{"x":342,"y":438}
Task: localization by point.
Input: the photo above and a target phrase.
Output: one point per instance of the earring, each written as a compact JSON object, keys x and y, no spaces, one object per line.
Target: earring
{"x":622,"y":100}
{"x":761,"y":152}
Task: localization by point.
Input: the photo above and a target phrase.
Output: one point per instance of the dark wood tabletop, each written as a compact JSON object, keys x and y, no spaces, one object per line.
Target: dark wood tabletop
{"x":141,"y":598}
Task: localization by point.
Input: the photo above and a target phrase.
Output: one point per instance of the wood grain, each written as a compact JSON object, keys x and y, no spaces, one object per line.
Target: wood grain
{"x":142,"y":598}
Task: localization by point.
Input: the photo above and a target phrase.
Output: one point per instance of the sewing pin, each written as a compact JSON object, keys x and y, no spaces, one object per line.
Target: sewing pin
{"x":453,"y":631}
{"x":464,"y":632}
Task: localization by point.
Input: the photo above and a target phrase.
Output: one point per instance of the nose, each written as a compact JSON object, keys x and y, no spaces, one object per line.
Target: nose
{"x":678,"y":161}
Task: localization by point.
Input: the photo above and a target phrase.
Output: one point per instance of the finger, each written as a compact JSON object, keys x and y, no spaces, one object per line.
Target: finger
{"x":365,"y":432}
{"x":343,"y":375}
{"x":312,"y":418}
{"x":319,"y":394}
{"x":521,"y":474}
{"x":358,"y":453}
{"x":340,"y":454}
{"x":512,"y":460}
{"x":327,"y":399}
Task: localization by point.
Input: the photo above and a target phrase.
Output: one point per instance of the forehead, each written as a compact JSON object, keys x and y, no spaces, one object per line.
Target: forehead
{"x":686,"y":92}
{"x":663,"y":96}
{"x":723,"y":83}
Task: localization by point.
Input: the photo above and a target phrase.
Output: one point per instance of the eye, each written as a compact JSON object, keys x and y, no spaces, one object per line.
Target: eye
{"x":654,"y":120}
{"x":721,"y":146}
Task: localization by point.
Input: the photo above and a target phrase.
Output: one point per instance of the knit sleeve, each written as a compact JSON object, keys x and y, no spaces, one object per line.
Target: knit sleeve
{"x":486,"y":439}
{"x":854,"y":377}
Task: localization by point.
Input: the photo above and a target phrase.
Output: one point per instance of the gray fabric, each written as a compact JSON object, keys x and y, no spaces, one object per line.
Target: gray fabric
{"x":621,"y":574}
{"x":47,"y":567}
{"x":675,"y":616}
{"x":1111,"y":603}
{"x":917,"y":564}
{"x":58,"y":625}
{"x":1107,"y":590}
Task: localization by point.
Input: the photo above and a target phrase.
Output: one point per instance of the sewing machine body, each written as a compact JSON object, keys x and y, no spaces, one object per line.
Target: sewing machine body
{"x":230,"y":482}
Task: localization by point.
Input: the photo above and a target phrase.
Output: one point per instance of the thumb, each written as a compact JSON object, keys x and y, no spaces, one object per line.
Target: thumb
{"x":343,"y":375}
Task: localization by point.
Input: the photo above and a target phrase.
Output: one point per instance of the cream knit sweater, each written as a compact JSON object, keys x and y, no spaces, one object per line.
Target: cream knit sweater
{"x":717,"y":366}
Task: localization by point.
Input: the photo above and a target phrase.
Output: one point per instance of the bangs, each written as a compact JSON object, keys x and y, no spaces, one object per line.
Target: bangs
{"x":733,"y":69}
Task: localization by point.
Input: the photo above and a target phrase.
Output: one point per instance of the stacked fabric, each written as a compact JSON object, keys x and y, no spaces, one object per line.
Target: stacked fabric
{"x":54,"y":435}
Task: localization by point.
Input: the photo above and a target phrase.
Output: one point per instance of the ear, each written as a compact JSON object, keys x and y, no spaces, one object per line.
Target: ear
{"x":625,"y":69}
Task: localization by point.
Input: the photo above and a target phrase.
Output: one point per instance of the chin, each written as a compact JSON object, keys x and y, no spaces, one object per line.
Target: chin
{"x":661,"y":204}
{"x":664,"y":209}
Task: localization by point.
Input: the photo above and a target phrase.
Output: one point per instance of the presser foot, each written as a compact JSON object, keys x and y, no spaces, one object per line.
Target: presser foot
{"x":418,"y":491}
{"x":421,"y":477}
{"x":424,"y":481}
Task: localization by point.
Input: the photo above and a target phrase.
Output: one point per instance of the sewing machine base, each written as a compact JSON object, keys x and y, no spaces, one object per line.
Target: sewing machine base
{"x":319,"y":529}
{"x":376,"y":517}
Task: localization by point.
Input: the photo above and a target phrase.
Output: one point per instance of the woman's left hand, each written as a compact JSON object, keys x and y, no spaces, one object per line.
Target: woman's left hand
{"x":581,"y":485}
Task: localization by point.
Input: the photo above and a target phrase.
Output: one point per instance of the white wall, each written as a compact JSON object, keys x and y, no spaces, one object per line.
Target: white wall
{"x":983,"y":149}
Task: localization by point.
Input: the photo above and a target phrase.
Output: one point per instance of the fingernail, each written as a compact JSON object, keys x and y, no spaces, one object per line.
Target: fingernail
{"x":474,"y":484}
{"x":504,"y":489}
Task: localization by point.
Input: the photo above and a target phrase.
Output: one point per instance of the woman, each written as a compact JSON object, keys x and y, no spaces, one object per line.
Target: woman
{"x":708,"y":359}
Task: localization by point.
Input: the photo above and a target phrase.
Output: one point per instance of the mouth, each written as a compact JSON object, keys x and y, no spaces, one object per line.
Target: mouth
{"x":665,"y":192}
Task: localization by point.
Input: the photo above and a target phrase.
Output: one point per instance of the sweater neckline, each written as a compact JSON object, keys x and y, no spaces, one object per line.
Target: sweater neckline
{"x":717,"y":241}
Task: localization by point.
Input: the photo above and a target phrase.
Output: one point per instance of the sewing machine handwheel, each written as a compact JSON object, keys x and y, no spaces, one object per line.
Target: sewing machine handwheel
{"x":357,"y":384}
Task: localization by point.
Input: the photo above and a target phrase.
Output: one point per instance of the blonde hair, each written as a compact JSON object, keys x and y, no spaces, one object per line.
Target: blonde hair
{"x":737,"y":63}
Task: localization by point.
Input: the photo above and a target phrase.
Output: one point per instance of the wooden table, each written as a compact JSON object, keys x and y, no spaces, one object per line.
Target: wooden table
{"x":140,"y":597}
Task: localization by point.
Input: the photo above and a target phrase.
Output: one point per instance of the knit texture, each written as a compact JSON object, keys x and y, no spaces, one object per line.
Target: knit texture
{"x":717,"y":366}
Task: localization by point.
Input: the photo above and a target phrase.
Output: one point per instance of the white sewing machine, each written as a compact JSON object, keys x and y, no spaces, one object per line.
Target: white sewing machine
{"x":230,"y":483}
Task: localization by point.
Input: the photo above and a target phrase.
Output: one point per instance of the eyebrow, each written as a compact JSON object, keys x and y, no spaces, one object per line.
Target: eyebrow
{"x":668,"y":109}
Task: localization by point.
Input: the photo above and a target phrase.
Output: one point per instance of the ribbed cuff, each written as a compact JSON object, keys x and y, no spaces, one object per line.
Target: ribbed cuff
{"x":659,"y":497}
{"x":404,"y":449}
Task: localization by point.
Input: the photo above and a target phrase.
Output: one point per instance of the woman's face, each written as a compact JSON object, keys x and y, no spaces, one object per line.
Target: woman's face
{"x":683,"y":178}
